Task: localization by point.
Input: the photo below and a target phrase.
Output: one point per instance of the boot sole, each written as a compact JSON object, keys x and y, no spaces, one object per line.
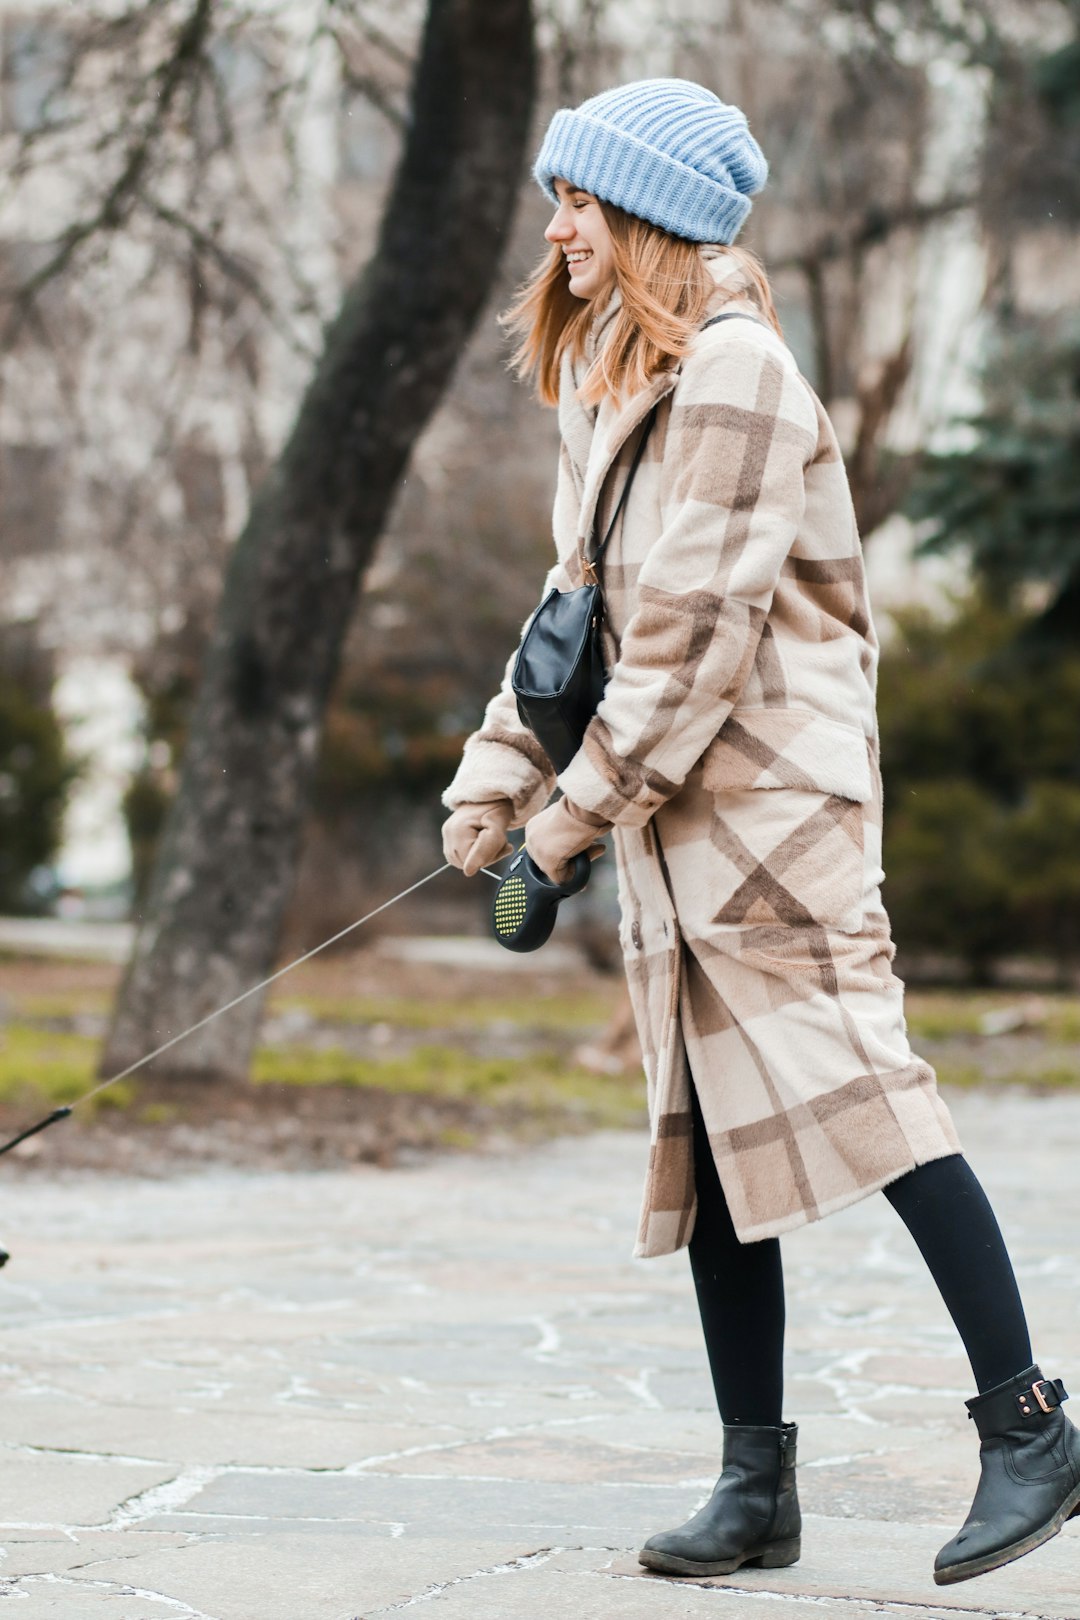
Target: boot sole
{"x":982,"y":1566}
{"x":775,"y":1555}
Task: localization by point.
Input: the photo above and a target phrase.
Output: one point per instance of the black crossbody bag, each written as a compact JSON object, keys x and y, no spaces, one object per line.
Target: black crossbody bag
{"x":559,"y":676}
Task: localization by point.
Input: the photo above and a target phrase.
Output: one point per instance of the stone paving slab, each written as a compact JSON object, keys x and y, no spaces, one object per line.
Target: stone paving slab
{"x":341,"y":1396}
{"x":48,"y":1488}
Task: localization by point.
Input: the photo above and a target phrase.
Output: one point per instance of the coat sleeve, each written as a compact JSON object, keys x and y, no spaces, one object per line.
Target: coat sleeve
{"x":742,"y":429}
{"x":503,"y":760}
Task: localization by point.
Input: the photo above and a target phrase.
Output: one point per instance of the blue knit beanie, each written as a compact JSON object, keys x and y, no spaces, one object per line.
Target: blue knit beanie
{"x":666,"y":150}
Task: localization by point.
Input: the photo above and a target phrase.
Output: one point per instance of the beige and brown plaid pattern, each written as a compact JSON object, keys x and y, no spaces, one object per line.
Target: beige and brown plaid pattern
{"x":736,"y":753}
{"x":780,"y":1000}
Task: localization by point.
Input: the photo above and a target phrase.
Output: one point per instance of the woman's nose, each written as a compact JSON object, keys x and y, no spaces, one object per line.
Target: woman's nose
{"x":560,"y":228}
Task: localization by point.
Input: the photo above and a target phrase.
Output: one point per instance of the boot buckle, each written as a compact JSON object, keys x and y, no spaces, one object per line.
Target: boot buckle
{"x":1036,"y":1390}
{"x":1039,"y":1396}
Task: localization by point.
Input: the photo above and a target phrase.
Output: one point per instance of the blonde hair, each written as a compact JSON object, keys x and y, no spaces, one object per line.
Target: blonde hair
{"x":666,"y":288}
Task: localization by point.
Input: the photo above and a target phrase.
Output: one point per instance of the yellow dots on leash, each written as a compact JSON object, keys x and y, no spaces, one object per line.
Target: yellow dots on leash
{"x":527,"y":900}
{"x":511,"y":903}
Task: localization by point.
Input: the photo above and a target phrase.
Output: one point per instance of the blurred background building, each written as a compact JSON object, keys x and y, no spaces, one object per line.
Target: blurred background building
{"x":921,"y":212}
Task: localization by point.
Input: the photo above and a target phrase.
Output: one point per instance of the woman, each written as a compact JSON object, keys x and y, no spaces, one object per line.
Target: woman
{"x":734,"y":758}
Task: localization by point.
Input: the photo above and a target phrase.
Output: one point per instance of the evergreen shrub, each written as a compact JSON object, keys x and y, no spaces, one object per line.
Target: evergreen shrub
{"x":981,"y":764}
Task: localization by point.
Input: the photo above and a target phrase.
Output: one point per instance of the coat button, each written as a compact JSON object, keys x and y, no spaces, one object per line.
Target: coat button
{"x":635,"y":934}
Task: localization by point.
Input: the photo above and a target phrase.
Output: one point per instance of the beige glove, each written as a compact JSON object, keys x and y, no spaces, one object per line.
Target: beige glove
{"x":475,"y":835}
{"x":559,"y":833}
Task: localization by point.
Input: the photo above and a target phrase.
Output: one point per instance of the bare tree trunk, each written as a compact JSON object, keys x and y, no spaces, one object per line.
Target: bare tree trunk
{"x":231,"y":845}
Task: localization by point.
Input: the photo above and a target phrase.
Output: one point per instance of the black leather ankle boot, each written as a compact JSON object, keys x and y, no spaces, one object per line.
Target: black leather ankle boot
{"x":1030,"y":1481}
{"x":752,"y":1516}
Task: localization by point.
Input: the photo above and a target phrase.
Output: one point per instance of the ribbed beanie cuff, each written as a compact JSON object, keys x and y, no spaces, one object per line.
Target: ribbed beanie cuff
{"x":665,"y":150}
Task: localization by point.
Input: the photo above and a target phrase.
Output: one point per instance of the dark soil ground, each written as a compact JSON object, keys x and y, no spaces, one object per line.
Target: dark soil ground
{"x":367,"y":1059}
{"x":173,"y":1125}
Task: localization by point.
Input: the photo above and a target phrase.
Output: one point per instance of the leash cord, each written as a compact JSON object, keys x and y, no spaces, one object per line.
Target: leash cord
{"x":103,"y":1085}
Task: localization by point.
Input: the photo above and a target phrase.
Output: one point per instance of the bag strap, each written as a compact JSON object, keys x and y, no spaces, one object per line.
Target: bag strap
{"x":591,"y":562}
{"x":734,"y":316}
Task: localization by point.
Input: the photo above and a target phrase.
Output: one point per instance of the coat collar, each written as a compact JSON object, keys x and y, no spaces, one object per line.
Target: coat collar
{"x":594,"y":435}
{"x":615,"y":422}
{"x":577,"y":421}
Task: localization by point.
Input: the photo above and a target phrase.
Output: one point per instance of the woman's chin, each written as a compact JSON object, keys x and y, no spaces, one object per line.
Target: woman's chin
{"x":587,"y":287}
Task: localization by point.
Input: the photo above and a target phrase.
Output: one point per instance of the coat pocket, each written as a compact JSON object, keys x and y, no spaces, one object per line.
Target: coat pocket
{"x":788,"y":748}
{"x":788,"y":789}
{"x":787,"y":858}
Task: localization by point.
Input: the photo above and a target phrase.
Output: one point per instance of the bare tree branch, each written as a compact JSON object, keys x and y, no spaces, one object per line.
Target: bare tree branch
{"x":876,"y":225}
{"x":378,"y":37}
{"x":366,"y":85}
{"x":230,"y":265}
{"x":243,"y":187}
{"x":115,"y":206}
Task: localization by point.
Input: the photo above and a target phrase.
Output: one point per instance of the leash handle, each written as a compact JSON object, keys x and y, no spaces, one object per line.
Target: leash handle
{"x":527,"y":901}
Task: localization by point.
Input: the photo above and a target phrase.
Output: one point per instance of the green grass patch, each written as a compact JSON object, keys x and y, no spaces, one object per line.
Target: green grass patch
{"x":948,"y":1015}
{"x":159,"y":1113}
{"x":37,"y":1063}
{"x":1056,"y":1077}
{"x":65,"y":1004}
{"x":1050,"y":1077}
{"x":42,"y":1068}
{"x":549,"y":1014}
{"x":1063,"y":1023}
{"x":546,"y":1014}
{"x":942,"y":1016}
{"x":453,"y":1136}
{"x":540,"y":1083}
{"x":964,"y":1075}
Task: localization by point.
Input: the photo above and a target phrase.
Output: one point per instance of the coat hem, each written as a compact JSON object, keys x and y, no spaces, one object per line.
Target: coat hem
{"x":841,"y":1201}
{"x":792,"y":1222}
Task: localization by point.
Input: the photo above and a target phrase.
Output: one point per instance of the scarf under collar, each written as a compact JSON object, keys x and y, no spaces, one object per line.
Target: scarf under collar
{"x":577,"y":420}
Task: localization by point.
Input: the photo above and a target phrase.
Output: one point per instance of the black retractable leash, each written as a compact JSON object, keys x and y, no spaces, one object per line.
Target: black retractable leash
{"x":527,"y":901}
{"x":525,"y":908}
{"x":148,"y":1057}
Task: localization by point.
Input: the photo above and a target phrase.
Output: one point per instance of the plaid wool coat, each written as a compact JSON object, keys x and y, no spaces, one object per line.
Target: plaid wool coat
{"x":736,"y":754}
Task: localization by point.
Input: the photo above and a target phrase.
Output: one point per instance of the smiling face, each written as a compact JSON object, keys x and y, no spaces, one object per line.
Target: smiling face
{"x":579,"y":228}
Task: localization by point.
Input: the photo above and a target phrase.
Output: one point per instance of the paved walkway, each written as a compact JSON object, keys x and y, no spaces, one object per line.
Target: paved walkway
{"x":447,"y":1388}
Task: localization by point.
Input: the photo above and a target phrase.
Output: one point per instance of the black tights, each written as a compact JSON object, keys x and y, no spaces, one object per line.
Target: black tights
{"x":740,"y":1286}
